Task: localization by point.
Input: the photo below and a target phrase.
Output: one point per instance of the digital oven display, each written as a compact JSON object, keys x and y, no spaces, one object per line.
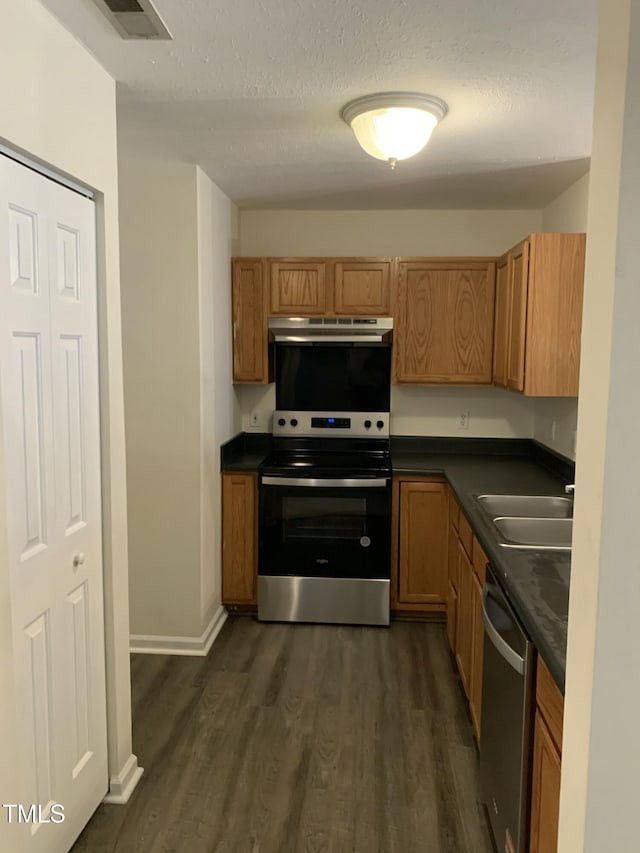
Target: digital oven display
{"x":331,"y":423}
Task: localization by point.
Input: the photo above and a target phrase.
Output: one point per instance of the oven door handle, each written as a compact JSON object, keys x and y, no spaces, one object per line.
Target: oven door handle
{"x":349,"y":483}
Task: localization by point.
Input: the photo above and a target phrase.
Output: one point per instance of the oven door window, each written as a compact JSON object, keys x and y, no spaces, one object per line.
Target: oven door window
{"x":314,"y":518}
{"x":324,"y":532}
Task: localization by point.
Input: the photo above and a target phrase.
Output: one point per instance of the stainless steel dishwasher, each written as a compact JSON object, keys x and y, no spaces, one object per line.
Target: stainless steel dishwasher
{"x":505,"y":742}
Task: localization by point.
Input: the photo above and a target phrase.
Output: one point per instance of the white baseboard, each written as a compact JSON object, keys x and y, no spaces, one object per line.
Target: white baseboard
{"x":123,"y":784}
{"x":194,"y":646}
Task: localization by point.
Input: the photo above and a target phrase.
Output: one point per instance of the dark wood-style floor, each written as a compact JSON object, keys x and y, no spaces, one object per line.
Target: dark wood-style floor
{"x":300,"y":738}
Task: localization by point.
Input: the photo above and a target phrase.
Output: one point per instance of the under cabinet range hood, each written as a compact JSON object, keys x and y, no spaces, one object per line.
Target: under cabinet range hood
{"x":330,"y":329}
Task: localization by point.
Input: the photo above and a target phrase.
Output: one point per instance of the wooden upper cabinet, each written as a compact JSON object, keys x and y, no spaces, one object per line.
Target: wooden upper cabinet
{"x":422,"y":563}
{"x":249,"y":320}
{"x":444,"y":321}
{"x":501,"y":332}
{"x":554,"y":314}
{"x":539,"y":315}
{"x":362,"y":286}
{"x":298,"y":288}
{"x":518,"y":282}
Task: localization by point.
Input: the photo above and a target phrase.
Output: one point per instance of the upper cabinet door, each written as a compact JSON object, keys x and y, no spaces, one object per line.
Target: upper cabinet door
{"x":298,"y":288}
{"x":518,"y":288}
{"x":444,"y":327}
{"x":362,"y":287}
{"x":249,"y":310}
{"x":554,"y":314}
{"x":501,"y":334}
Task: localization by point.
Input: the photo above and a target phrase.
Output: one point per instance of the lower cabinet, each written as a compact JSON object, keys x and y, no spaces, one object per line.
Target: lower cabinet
{"x":467,"y":565}
{"x":419,"y":555}
{"x":464,"y":629}
{"x":477,"y":654}
{"x":547,"y":752}
{"x":452,"y":582}
{"x":239,"y":539}
{"x":480,"y":561}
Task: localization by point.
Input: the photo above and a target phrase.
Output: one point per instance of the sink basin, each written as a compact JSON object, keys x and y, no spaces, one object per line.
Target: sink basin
{"x":530,"y":506}
{"x":548,"y":533}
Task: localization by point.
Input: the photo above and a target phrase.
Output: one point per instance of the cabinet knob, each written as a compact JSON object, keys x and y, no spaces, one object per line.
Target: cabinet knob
{"x":78,"y":560}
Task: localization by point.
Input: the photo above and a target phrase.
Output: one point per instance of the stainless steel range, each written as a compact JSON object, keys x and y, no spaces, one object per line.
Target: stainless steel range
{"x":325,"y":510}
{"x":325,"y":490}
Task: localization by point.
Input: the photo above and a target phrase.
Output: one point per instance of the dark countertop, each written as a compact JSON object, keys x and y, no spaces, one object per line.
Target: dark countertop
{"x":245,"y":452}
{"x":536,"y":581}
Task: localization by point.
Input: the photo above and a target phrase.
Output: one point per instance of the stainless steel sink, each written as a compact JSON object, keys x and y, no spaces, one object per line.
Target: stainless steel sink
{"x":548,"y":533}
{"x":529,"y":506}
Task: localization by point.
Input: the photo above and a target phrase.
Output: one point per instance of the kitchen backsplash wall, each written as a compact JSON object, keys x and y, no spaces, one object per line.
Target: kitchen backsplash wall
{"x":424,"y":411}
{"x":555,"y":424}
{"x":488,"y":412}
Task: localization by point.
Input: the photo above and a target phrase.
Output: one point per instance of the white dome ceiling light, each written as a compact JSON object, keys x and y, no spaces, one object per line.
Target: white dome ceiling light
{"x":394,"y":126}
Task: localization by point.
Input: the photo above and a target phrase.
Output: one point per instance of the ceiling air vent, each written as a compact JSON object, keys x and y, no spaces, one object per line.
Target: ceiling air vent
{"x":134,"y":19}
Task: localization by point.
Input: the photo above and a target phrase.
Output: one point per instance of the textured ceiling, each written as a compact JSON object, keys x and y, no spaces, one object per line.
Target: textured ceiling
{"x":251,"y":90}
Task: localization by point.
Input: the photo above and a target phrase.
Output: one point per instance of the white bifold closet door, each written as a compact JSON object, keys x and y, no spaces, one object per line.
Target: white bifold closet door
{"x":51,"y":460}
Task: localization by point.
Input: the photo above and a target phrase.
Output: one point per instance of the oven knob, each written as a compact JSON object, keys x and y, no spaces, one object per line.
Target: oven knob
{"x":367,"y":424}
{"x":281,"y":422}
{"x":294,"y":422}
{"x":380,"y":424}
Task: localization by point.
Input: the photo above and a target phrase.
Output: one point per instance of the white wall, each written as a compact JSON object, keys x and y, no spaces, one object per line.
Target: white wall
{"x":556,"y":418}
{"x":160,"y":315}
{"x":556,"y":422}
{"x":568,"y":212}
{"x":383,"y":232}
{"x":425,"y":411}
{"x":219,"y":409}
{"x":416,"y":411}
{"x":180,"y":405}
{"x":601,"y":743}
{"x":58,"y":105}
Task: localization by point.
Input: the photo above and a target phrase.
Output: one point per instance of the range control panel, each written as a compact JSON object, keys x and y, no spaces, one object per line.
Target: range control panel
{"x":354,"y":424}
{"x":331,"y":423}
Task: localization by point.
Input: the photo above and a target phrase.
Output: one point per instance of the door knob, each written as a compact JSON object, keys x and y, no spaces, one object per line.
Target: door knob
{"x":78,"y":560}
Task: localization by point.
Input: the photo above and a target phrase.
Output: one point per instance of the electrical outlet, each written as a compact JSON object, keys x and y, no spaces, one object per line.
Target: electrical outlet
{"x":254,"y":420}
{"x":463,"y":420}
